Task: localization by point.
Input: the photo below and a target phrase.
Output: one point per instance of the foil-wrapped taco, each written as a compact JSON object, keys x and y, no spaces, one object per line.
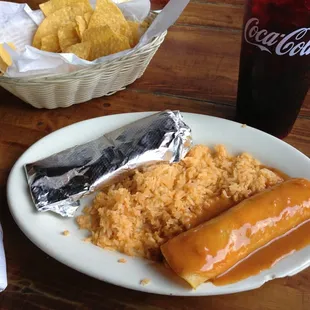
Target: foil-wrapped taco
{"x":58,"y":182}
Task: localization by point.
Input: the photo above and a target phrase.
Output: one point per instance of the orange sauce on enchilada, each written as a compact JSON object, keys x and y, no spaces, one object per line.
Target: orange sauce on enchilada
{"x":267,"y":256}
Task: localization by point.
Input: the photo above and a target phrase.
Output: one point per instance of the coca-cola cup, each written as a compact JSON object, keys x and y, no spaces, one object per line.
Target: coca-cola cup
{"x":274,"y":64}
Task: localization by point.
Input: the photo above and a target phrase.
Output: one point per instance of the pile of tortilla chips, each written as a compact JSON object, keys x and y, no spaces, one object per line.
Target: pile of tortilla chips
{"x":72,"y":26}
{"x":5,"y":58}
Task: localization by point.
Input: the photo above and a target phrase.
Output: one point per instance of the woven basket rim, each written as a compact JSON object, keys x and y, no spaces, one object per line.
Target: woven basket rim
{"x":61,"y":77}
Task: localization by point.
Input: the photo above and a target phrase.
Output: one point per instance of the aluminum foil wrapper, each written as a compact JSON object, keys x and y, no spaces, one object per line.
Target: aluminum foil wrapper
{"x":57,"y":182}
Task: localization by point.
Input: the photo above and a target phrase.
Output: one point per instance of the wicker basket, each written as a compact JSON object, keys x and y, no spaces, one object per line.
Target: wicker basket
{"x":64,"y":90}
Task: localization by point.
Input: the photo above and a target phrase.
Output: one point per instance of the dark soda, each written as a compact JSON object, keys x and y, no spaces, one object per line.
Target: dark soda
{"x":274,"y":64}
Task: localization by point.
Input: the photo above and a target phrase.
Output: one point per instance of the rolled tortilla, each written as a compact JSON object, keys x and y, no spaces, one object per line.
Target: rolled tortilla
{"x":212,"y":248}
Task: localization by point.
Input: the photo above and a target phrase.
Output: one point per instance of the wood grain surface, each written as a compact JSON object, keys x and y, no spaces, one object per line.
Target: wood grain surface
{"x":195,"y":70}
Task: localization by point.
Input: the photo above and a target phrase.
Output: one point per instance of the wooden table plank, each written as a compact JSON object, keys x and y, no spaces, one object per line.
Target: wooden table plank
{"x":17,"y":116}
{"x":23,"y":115}
{"x":210,"y":14}
{"x":210,"y":75}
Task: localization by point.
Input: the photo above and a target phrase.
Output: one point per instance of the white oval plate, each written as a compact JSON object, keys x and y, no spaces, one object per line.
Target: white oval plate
{"x":44,"y":229}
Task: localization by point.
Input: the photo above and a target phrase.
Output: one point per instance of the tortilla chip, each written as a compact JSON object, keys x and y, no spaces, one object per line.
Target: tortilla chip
{"x":104,"y":42}
{"x":81,"y":25}
{"x":135,"y":34}
{"x":53,"y":22}
{"x":103,"y":32}
{"x":52,"y":6}
{"x":108,"y":13}
{"x":3,"y":67}
{"x":81,"y":50}
{"x":50,"y":43}
{"x":143,"y":27}
{"x":68,"y":36}
{"x":5,"y":58}
{"x":87,"y":16}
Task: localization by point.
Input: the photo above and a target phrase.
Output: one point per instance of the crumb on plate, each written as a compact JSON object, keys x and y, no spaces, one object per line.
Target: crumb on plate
{"x":122,"y":260}
{"x":145,"y":281}
{"x":243,"y":125}
{"x":66,"y":233}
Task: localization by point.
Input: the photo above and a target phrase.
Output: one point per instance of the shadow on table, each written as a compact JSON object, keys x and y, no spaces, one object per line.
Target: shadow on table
{"x":9,"y":98}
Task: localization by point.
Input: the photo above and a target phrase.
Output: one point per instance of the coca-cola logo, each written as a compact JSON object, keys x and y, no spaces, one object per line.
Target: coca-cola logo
{"x":282,"y":44}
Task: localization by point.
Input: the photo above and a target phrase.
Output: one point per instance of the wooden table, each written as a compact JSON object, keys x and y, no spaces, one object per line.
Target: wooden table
{"x":195,"y":70}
